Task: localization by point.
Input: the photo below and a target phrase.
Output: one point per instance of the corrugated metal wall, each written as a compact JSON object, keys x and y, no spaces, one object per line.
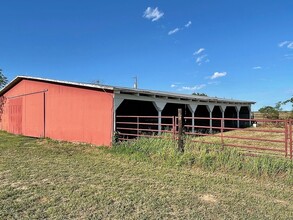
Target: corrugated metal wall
{"x":15,"y":116}
{"x":64,"y":113}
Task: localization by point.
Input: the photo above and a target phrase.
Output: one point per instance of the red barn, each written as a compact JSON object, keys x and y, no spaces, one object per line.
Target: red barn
{"x":59,"y":110}
{"x":88,"y":113}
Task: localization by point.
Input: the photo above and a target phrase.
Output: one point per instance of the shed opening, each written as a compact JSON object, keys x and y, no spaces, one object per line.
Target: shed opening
{"x":244,"y":113}
{"x":129,"y":124}
{"x":217,"y":113}
{"x":231,"y":112}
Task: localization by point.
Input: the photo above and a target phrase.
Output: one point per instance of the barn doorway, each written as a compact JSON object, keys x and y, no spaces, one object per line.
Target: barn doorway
{"x":27,"y":114}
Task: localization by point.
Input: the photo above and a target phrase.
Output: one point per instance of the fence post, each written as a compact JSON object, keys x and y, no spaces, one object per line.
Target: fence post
{"x":222,"y":130}
{"x":290,"y":138}
{"x":137,"y":126}
{"x":180,"y":131}
{"x":174,"y":127}
{"x":286,"y":138}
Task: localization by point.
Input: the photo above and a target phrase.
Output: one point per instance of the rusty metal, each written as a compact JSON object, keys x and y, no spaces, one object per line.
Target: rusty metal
{"x":130,"y":127}
{"x":133,"y":126}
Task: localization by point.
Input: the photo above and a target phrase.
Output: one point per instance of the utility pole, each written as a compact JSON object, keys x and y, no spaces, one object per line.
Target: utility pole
{"x":135,"y":85}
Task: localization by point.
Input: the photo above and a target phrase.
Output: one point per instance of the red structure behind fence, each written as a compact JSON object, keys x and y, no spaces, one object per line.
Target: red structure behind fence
{"x":261,"y":136}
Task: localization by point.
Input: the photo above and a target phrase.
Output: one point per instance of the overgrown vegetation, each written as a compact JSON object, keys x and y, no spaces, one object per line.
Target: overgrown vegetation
{"x":210,"y":157}
{"x":144,"y":179}
{"x":271,"y":112}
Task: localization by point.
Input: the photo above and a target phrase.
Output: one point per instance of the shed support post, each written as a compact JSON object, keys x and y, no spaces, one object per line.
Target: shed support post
{"x":159,"y":105}
{"x":238,"y":116}
{"x":159,"y":122}
{"x":192,"y":121}
{"x":211,"y":122}
{"x":192,"y":108}
{"x":210,"y":108}
{"x":223,"y":108}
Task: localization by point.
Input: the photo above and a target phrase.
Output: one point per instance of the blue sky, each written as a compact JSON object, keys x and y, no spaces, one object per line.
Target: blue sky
{"x":230,"y":49}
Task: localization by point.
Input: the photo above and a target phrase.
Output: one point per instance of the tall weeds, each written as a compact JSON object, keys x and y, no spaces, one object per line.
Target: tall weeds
{"x":211,"y":157}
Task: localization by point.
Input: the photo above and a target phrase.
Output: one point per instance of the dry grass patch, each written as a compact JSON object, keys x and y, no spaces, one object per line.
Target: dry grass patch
{"x":58,"y":180}
{"x":209,"y":198}
{"x":238,"y":137}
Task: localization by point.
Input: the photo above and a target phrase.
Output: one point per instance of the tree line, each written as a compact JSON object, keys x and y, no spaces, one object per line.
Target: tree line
{"x":3,"y":79}
{"x":273,"y":112}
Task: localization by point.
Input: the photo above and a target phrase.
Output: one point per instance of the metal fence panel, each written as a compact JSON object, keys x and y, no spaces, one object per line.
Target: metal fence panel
{"x":253,"y":136}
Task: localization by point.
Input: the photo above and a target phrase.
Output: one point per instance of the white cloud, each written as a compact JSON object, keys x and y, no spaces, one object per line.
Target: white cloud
{"x":188,"y":24}
{"x":153,"y":14}
{"x":200,"y":50}
{"x":288,"y":44}
{"x":257,"y":67}
{"x":213,"y":83}
{"x":178,"y":29}
{"x":173,"y":86}
{"x":202,"y":59}
{"x":288,"y":56}
{"x":193,"y":88}
{"x":173,"y":31}
{"x":218,"y":75}
{"x":283,"y":43}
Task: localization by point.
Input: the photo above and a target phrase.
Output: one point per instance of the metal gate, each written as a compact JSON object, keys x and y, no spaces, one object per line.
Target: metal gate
{"x":252,"y":136}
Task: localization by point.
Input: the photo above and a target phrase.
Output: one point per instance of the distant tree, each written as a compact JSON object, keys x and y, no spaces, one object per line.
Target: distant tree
{"x":199,"y":94}
{"x":289,"y":101}
{"x":270,"y":112}
{"x":3,"y":82}
{"x":3,"y":79}
{"x":2,"y":103}
{"x":278,"y":106}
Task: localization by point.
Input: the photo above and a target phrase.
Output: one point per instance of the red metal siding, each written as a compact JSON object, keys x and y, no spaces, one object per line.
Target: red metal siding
{"x":33,"y":112}
{"x":70,"y":113}
{"x":15,"y":116}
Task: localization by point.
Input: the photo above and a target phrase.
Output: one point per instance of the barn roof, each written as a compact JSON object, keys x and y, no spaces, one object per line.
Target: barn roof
{"x":124,"y":90}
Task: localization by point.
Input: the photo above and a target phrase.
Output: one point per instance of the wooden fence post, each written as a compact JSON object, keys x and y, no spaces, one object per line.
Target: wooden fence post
{"x":290,"y":137}
{"x":180,"y":131}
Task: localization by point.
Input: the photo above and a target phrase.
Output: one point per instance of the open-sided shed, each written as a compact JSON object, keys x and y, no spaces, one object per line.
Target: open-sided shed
{"x":88,"y":113}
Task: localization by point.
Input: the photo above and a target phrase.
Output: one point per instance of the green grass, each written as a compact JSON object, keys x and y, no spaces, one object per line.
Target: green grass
{"x":144,"y":180}
{"x":209,"y":157}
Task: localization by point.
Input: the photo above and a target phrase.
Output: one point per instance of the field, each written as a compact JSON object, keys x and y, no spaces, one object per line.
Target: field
{"x":41,"y":178}
{"x":271,"y":143}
